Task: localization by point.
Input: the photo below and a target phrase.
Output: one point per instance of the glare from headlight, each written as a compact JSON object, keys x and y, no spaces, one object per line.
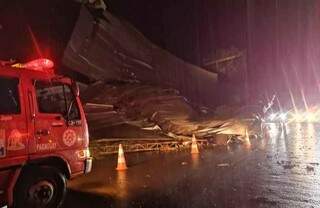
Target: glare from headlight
{"x":272,"y":116}
{"x":298,"y":117}
{"x":283,"y":116}
{"x":311,"y":117}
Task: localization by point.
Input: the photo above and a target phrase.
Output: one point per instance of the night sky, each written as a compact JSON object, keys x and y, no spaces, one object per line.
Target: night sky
{"x":191,"y":29}
{"x":280,"y":36}
{"x":51,"y":23}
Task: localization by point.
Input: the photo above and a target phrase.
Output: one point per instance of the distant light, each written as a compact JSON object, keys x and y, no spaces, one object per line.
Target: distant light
{"x":298,"y":117}
{"x":272,"y":116}
{"x":310,"y":116}
{"x":273,"y":129}
{"x":283,"y":116}
{"x":304,"y":117}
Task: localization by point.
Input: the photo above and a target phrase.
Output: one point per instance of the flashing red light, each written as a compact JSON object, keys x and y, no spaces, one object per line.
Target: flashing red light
{"x":39,"y":65}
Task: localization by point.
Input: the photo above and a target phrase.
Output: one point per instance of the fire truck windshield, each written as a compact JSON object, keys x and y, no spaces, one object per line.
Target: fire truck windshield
{"x":56,"y":98}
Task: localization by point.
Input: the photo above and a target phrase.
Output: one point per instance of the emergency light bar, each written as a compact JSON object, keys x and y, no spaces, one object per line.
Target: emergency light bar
{"x":44,"y":65}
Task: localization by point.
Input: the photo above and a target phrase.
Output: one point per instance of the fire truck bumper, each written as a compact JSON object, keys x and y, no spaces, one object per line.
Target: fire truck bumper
{"x":88,"y":165}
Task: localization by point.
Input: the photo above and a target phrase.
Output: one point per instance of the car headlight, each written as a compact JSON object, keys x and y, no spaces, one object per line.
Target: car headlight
{"x":283,"y":116}
{"x":272,"y":116}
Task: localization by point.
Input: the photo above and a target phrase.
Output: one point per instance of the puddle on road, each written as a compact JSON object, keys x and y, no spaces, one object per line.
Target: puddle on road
{"x":122,"y":189}
{"x":279,"y":169}
{"x":122,"y":182}
{"x":195,"y":160}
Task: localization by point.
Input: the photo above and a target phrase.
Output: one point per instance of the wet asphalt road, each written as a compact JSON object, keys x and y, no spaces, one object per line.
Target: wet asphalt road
{"x":277,"y":171}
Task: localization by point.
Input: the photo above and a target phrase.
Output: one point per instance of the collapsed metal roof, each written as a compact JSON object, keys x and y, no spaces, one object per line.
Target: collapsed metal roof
{"x":111,"y":49}
{"x":139,"y":90}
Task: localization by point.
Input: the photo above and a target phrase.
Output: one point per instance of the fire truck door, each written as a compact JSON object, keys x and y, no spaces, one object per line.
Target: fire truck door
{"x":55,"y":107}
{"x":13,"y":127}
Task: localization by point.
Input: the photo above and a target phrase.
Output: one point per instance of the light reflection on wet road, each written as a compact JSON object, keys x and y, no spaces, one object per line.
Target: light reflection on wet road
{"x":278,"y":171}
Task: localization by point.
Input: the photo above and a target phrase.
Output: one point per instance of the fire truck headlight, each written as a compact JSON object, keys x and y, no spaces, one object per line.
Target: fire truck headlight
{"x":83,"y":154}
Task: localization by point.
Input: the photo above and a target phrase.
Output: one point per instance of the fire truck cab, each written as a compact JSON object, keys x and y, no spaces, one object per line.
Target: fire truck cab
{"x":43,"y":135}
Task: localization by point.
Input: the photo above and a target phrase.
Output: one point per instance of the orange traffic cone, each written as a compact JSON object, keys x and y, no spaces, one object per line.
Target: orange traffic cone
{"x":121,"y":159}
{"x":194,"y":145}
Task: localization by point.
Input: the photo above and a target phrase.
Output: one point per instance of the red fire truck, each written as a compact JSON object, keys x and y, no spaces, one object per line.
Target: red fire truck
{"x":43,"y":135}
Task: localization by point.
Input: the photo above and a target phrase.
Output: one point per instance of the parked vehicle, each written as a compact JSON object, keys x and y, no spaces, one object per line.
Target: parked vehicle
{"x":43,"y":135}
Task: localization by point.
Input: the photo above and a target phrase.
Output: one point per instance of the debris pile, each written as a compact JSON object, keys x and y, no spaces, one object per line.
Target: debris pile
{"x":126,"y":110}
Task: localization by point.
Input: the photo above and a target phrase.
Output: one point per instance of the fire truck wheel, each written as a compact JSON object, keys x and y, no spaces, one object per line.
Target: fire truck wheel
{"x":41,"y":187}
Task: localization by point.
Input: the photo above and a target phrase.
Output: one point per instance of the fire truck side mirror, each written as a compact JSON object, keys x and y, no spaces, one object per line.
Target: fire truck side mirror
{"x":75,"y":88}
